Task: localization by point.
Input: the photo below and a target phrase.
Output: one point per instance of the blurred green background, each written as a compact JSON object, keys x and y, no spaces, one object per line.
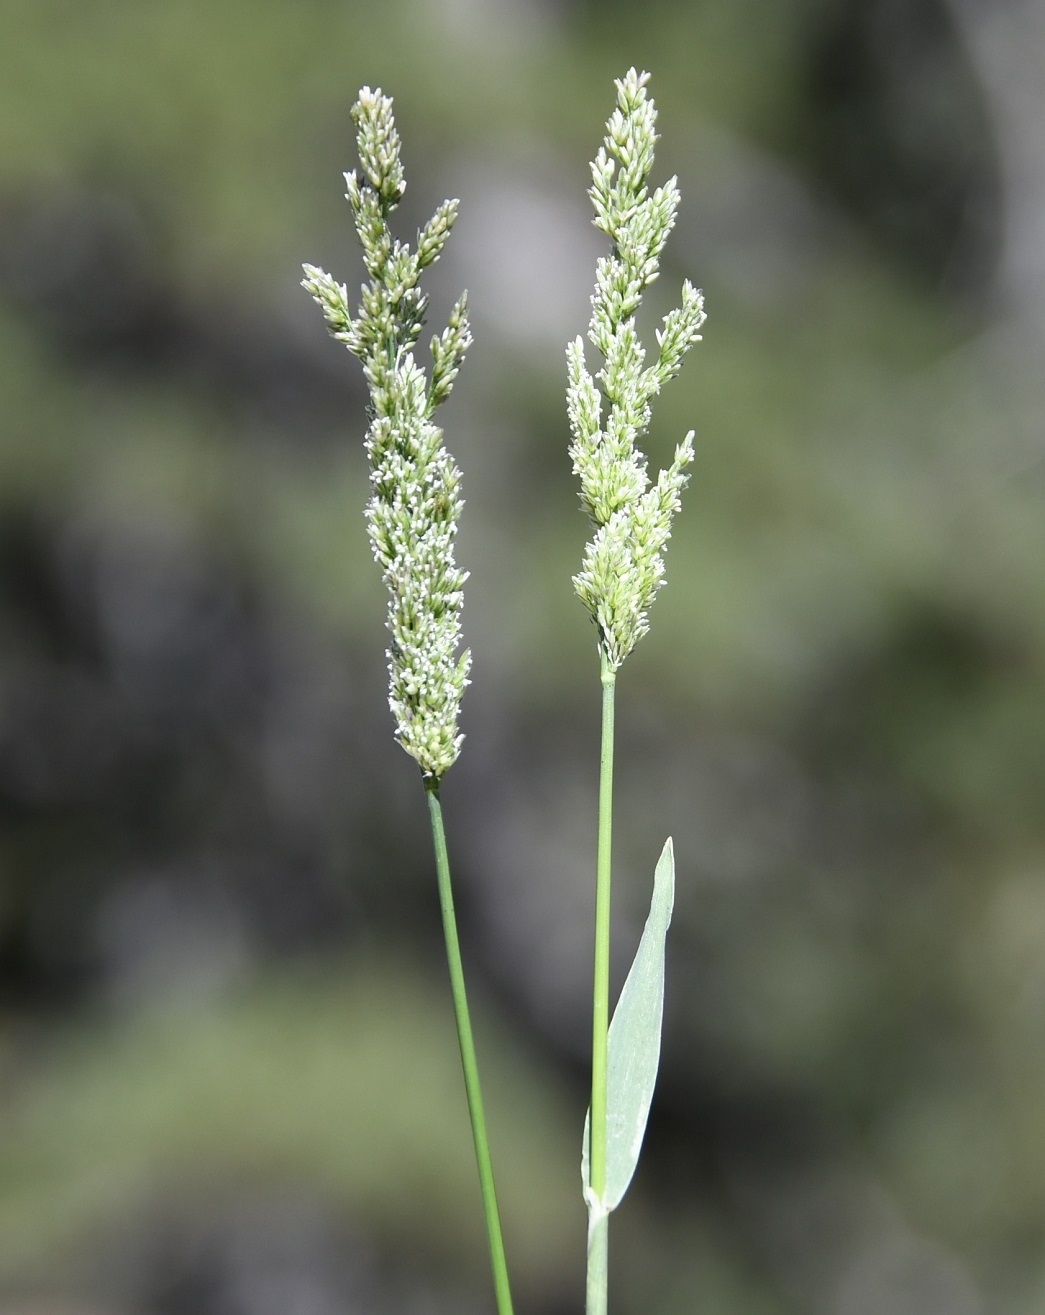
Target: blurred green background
{"x":228,"y":1075}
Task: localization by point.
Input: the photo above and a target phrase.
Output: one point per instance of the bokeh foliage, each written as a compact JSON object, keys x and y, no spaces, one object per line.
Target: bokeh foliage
{"x":216,"y":919}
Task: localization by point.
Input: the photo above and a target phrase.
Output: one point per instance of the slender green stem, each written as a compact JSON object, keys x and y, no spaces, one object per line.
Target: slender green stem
{"x":598,"y":1248}
{"x":598,"y":1265}
{"x":468,"y":1060}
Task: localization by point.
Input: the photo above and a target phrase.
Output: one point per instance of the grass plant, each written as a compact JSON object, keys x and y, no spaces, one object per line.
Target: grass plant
{"x":622,"y":570}
{"x":412,"y":521}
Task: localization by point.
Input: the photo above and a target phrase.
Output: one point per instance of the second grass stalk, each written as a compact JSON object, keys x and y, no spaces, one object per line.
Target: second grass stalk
{"x":621,"y":572}
{"x":412,"y":519}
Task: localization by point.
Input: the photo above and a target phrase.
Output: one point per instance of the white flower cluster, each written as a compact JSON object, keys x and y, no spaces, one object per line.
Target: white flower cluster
{"x":412,"y":515}
{"x":623,"y":564}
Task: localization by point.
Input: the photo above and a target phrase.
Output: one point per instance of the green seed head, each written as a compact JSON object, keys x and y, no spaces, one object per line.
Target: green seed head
{"x":415,"y":504}
{"x":623,"y":564}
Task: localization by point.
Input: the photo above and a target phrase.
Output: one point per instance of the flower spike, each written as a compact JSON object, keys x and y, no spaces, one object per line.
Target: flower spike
{"x":623,"y":564}
{"x":415,"y":504}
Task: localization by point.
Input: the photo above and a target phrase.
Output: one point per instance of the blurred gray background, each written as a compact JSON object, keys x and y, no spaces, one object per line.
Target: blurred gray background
{"x":228,"y":1071}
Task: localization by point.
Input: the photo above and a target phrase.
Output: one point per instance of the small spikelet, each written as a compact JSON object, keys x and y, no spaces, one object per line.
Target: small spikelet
{"x":623,"y":564}
{"x":415,"y":504}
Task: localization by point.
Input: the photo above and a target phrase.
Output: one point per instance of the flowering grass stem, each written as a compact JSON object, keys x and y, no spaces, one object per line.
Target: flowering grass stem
{"x":621,"y":573}
{"x":412,"y":521}
{"x":469,"y":1063}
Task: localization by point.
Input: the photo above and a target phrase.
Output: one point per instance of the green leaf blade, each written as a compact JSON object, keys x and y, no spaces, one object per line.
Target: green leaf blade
{"x":634,"y":1044}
